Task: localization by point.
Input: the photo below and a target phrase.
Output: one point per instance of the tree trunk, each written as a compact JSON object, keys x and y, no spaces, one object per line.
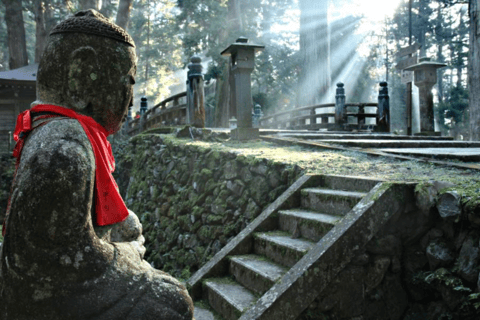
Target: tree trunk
{"x":440,"y":56}
{"x":17,"y":46}
{"x":223,"y":98}
{"x":40,"y":30}
{"x":459,"y":49}
{"x":421,"y":32}
{"x":474,"y":70}
{"x":107,"y":7}
{"x":315,"y":77}
{"x":147,"y":52}
{"x":123,"y":14}
{"x":88,"y":4}
{"x":235,"y":17}
{"x":233,"y":29}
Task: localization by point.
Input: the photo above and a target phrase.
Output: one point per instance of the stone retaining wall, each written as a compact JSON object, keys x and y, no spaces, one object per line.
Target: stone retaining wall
{"x":192,"y":200}
{"x":424,"y":264}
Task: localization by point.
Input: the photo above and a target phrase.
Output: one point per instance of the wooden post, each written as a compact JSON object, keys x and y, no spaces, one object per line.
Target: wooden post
{"x":143,"y":116}
{"x":195,"y":94}
{"x":340,"y":111}
{"x":361,"y":116}
{"x":313,"y":119}
{"x":383,"y":109}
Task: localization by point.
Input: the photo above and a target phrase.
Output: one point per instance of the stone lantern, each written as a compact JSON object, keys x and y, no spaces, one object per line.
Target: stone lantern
{"x":425,"y":77}
{"x":242,"y":62}
{"x":143,"y":105}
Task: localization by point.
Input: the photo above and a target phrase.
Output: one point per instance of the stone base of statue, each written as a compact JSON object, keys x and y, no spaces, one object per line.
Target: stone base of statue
{"x":245,"y":133}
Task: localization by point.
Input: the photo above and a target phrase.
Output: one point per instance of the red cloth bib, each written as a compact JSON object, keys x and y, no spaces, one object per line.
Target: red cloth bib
{"x":109,"y":205}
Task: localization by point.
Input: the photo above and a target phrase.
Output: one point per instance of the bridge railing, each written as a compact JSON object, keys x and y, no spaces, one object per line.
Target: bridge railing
{"x":335,"y":116}
{"x":171,"y":111}
{"x":183,"y":108}
{"x":321,"y":116}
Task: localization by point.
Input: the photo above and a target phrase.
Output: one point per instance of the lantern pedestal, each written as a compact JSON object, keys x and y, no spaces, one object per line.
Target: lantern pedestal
{"x":425,"y":74}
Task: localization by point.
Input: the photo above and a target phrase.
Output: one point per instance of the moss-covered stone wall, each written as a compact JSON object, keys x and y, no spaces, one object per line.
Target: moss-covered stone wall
{"x":7,"y":168}
{"x":424,"y":264}
{"x":192,"y":200}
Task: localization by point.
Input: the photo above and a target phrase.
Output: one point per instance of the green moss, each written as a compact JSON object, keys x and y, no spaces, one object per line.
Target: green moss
{"x":206,"y":173}
{"x":385,"y":186}
{"x":204,"y":232}
{"x":214,"y":219}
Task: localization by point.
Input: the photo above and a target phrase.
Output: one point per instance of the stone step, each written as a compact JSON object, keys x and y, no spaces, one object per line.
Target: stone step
{"x":403,"y":144}
{"x":306,"y":224}
{"x":203,"y":313}
{"x":228,"y":298}
{"x":280,"y":247}
{"x":348,"y":183}
{"x":255,"y":272}
{"x":336,"y":202}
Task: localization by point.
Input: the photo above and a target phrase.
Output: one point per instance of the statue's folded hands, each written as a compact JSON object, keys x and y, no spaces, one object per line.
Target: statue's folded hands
{"x":129,"y":230}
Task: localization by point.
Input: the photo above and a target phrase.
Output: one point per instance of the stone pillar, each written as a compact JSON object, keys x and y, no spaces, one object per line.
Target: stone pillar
{"x":425,"y":74}
{"x":143,"y":110}
{"x":143,"y":105}
{"x":383,"y":110}
{"x":242,"y":60}
{"x":129,"y":115}
{"x":257,"y":114}
{"x":195,"y":93}
{"x":427,"y":118}
{"x":340,"y":110}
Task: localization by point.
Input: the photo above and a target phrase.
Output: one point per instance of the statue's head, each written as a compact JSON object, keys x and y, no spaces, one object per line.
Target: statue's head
{"x":89,"y":65}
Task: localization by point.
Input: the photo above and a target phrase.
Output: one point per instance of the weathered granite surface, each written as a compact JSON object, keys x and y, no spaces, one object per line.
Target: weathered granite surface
{"x":54,"y":266}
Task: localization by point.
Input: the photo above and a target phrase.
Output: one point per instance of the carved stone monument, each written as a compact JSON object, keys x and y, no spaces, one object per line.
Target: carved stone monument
{"x":61,"y":257}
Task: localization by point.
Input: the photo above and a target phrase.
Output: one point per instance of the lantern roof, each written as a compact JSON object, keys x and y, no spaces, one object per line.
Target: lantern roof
{"x":426,"y":63}
{"x":241,"y":43}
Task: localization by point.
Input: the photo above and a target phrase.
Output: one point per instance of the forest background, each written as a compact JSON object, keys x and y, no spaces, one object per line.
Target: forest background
{"x":309,"y":44}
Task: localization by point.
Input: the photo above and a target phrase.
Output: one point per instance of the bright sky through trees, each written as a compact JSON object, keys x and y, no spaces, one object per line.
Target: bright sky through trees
{"x":373,"y":10}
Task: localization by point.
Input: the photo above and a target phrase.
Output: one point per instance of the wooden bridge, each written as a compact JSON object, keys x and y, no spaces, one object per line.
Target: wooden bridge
{"x":338,"y":116}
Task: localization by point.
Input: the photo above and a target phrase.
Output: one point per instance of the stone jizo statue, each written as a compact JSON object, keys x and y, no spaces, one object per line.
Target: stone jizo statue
{"x":72,"y":249}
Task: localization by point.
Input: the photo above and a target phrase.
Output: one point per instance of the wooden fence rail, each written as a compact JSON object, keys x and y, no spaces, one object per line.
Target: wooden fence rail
{"x":306,"y":118}
{"x":335,"y":116}
{"x":171,"y":111}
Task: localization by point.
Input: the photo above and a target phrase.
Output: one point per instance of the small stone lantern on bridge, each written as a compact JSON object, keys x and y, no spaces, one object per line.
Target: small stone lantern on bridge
{"x":143,"y":105}
{"x":143,"y":110}
{"x":242,"y":62}
{"x":425,"y":74}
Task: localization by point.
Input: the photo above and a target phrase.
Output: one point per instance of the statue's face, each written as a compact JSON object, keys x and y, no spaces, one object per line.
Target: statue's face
{"x":90,"y":74}
{"x":120,"y":98}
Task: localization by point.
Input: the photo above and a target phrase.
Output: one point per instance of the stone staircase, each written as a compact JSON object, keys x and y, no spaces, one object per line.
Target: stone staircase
{"x":276,"y":266}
